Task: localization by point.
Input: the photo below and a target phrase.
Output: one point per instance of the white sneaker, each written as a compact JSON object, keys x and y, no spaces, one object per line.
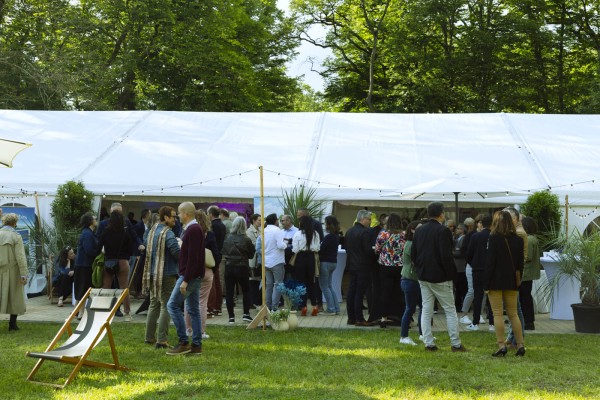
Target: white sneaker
{"x":472,"y":327}
{"x":127,"y":317}
{"x":423,"y":340}
{"x":205,"y":336}
{"x":407,"y":340}
{"x":492,"y":328}
{"x":466,"y":320}
{"x":188,"y":331}
{"x":481,"y":320}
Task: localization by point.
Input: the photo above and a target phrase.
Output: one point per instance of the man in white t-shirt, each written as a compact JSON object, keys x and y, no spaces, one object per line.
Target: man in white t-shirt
{"x":274,"y":260}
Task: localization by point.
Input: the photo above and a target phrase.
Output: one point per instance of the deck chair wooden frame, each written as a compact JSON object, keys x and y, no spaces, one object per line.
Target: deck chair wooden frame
{"x":99,"y":307}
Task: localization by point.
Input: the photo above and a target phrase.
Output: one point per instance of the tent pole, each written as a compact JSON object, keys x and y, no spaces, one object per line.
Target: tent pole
{"x":567,"y":216}
{"x":263,"y":313}
{"x":457,"y":221}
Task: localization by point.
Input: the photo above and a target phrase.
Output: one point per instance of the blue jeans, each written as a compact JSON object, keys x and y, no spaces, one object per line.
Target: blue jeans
{"x":192,"y":306}
{"x":325,"y":277}
{"x":273,"y":277}
{"x":412,"y":297}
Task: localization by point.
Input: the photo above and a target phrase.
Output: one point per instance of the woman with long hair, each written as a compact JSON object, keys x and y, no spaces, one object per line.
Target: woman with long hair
{"x":306,"y":243}
{"x":504,"y":266}
{"x":64,"y":271}
{"x":389,"y":245}
{"x":328,"y":257}
{"x":117,"y":249}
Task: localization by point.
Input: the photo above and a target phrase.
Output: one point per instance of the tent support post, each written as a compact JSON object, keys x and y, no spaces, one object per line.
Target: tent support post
{"x":456,"y":207}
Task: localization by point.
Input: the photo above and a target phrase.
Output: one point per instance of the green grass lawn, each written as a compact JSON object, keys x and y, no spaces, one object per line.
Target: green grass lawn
{"x":309,"y":364}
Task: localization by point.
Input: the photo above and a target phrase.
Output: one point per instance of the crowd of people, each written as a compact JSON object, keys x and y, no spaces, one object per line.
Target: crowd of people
{"x":186,"y":257}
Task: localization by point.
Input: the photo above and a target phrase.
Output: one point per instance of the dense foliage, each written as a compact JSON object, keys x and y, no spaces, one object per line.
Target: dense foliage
{"x":529,"y":56}
{"x":158,"y":54}
{"x":544,"y":208}
{"x":458,"y":55}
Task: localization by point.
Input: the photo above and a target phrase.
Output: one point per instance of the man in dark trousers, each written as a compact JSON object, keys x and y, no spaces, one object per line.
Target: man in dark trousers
{"x":187,"y":288}
{"x":476,"y":259}
{"x":433,"y":260}
{"x":359,"y":260}
{"x":215,"y":300}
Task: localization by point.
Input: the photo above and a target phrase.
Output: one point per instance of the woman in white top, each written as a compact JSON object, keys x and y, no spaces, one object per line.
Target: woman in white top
{"x":306,"y":244}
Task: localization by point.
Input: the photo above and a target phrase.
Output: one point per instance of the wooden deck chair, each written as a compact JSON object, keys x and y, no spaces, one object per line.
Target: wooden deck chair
{"x":99,"y":308}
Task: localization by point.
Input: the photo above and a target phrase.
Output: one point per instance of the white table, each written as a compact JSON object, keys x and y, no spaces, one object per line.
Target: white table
{"x":338,"y":275}
{"x":565,"y":293}
{"x":541,"y":304}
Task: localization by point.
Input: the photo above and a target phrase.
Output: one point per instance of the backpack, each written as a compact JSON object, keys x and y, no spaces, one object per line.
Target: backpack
{"x":98,"y":271}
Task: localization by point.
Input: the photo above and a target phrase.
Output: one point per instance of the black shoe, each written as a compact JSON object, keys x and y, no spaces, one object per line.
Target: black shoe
{"x":530,"y":327}
{"x":520,"y":352}
{"x":500,"y":352}
{"x":431,"y":348}
{"x":351,"y":322}
{"x":119,"y":313}
{"x":160,"y":345}
{"x":459,"y":349}
{"x":13,"y":327}
{"x":383,"y":324}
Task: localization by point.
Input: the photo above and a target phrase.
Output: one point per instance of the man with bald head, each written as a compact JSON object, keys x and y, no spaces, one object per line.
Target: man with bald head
{"x":187,"y":287}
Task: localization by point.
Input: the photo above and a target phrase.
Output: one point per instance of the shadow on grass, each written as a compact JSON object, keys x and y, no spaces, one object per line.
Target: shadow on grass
{"x":313,"y":364}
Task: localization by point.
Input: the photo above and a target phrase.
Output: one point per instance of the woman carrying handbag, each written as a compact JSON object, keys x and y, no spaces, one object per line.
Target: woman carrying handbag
{"x":503,"y":271}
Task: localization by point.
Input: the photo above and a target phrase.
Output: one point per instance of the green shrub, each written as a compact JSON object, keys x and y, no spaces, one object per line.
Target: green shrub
{"x":544,"y":208}
{"x":71,"y":202}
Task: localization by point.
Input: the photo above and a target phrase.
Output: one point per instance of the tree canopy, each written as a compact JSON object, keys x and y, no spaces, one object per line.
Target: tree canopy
{"x":534,"y":56}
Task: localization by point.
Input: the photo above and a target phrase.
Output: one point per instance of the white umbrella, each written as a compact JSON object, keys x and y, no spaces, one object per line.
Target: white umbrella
{"x":9,"y":150}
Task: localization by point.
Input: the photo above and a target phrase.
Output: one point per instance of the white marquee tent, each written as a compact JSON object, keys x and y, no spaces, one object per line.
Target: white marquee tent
{"x":372,"y":157}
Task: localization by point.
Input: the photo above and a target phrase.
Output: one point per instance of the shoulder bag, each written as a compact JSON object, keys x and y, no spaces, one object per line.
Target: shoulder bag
{"x":209,"y":259}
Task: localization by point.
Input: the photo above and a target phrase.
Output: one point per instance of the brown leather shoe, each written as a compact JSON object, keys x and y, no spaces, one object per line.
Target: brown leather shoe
{"x":459,"y":349}
{"x":361,"y":323}
{"x":180,"y":349}
{"x":195,"y":350}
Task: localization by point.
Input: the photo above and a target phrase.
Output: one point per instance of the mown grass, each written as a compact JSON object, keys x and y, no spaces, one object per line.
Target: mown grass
{"x":310,"y":364}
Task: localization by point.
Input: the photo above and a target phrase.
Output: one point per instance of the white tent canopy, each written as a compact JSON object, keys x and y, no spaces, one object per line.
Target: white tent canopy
{"x":346,"y":156}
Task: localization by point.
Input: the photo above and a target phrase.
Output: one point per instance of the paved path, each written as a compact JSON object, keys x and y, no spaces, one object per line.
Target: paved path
{"x":39,"y":309}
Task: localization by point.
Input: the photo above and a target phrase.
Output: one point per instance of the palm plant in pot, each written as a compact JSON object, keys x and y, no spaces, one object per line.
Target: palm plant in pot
{"x":580,"y":260}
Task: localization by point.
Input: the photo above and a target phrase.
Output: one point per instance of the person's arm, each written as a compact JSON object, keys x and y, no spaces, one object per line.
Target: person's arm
{"x":296,"y":242}
{"x":21,"y":258}
{"x":471,"y":250}
{"x":196,"y":258}
{"x":172,"y":245}
{"x":249,"y":247}
{"x":446,"y":256}
{"x":381,"y":238}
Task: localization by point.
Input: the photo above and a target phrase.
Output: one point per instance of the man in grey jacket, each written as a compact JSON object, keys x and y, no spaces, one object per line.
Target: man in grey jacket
{"x":432,"y":256}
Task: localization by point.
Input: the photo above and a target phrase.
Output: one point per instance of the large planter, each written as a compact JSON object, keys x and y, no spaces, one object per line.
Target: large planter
{"x":293,"y":320}
{"x":280,"y":326}
{"x":587,"y":318}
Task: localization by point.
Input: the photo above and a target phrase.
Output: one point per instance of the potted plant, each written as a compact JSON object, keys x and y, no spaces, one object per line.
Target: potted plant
{"x":279,"y":319}
{"x":579,"y":259}
{"x":292,"y":292}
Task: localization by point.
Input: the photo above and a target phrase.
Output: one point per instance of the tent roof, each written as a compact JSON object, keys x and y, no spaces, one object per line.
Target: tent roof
{"x":346,"y":156}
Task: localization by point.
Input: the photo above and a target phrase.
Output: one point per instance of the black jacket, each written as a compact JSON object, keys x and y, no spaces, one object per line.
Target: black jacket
{"x":499,"y":269}
{"x":117,"y":244}
{"x":432,"y":253}
{"x":359,"y":250}
{"x":477,"y":249}
{"x":237,"y":250}
{"x":218,"y":227}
